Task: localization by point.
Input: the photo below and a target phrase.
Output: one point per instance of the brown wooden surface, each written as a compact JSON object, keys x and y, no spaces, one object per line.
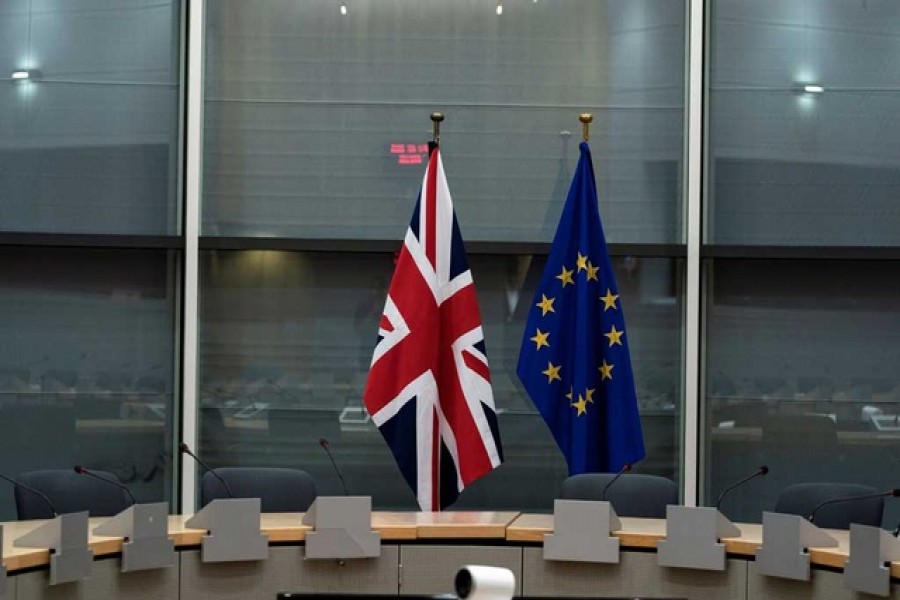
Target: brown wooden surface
{"x":398,"y":526}
{"x":646,"y":533}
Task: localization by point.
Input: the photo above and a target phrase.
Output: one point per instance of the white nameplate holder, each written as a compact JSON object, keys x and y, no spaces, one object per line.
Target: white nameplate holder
{"x":342,"y":528}
{"x":67,"y":537}
{"x":581,"y":532}
{"x":234,"y":530}
{"x":693,"y":537}
{"x":145,"y":528}
{"x":786,"y":541}
{"x":871,"y":551}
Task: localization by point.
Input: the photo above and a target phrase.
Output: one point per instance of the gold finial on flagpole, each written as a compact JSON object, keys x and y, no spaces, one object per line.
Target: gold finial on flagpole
{"x":436,"y":118}
{"x":585,"y":119}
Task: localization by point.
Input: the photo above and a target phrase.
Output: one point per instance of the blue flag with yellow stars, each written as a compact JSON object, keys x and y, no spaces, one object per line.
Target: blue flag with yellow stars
{"x":574,"y":359}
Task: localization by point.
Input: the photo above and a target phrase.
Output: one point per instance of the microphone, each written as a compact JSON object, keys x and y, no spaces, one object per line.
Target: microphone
{"x":625,"y":468}
{"x":185,"y":449}
{"x":812,"y":515}
{"x":760,"y":472}
{"x":324,"y":443}
{"x":82,"y":471}
{"x":897,"y":530}
{"x":42,"y":495}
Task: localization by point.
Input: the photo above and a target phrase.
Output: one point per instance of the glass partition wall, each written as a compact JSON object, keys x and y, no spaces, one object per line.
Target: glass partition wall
{"x":802,"y":251}
{"x":316,"y":129}
{"x":90,"y":241}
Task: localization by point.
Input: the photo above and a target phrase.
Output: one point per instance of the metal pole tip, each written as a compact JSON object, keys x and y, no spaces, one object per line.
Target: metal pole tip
{"x":437,"y":117}
{"x":585,"y":118}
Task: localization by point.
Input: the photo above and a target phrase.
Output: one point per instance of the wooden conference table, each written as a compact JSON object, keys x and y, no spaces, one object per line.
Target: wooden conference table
{"x":421,"y":553}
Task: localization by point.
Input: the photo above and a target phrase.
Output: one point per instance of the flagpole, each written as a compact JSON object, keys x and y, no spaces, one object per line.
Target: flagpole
{"x":585,"y":119}
{"x":436,"y":118}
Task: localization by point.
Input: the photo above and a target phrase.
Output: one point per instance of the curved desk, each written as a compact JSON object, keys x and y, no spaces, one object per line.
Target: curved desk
{"x":421,"y":553}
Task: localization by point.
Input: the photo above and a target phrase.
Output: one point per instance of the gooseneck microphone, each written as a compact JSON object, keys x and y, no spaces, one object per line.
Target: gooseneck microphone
{"x":82,"y":471}
{"x":760,"y":472}
{"x":812,"y":514}
{"x":625,"y":468}
{"x":185,"y":449}
{"x":324,"y":443}
{"x":41,"y":495}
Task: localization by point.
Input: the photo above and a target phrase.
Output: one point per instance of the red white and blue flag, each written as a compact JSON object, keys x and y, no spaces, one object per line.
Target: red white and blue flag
{"x":429,"y":387}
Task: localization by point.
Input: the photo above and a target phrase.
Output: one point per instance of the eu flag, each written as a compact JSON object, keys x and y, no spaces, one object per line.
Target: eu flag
{"x":574,"y":359}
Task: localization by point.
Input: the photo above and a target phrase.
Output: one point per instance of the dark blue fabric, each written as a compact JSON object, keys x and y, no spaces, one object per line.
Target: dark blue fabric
{"x":574,"y":360}
{"x":802,"y":498}
{"x":632,"y":495}
{"x":279,"y":490}
{"x":69,"y":492}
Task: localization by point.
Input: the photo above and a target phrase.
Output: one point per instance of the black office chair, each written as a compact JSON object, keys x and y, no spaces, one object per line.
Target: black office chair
{"x":633,"y":495}
{"x":280,"y":490}
{"x":68,"y":492}
{"x":802,"y":498}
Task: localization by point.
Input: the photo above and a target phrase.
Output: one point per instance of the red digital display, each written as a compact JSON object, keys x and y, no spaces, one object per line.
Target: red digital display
{"x":410,"y":154}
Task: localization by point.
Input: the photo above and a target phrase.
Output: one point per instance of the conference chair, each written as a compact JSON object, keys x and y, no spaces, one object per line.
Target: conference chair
{"x":802,"y":498}
{"x":632,"y":495}
{"x":280,"y":490}
{"x":68,"y":492}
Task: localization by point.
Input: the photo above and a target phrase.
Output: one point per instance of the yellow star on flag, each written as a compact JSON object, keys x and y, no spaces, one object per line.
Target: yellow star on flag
{"x":605,"y":370}
{"x":546,"y":305}
{"x":569,"y":395}
{"x":589,"y":395}
{"x":614,"y":336}
{"x":580,"y":406}
{"x":540,"y":338}
{"x":609,"y":300}
{"x":552,"y":372}
{"x":592,"y":272}
{"x":582,"y":262}
{"x":566,"y":276}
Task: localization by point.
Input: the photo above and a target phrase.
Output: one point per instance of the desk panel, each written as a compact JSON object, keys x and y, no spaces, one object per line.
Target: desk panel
{"x":823,"y":585}
{"x":427,"y":569}
{"x":286,"y":570}
{"x":637,"y":574}
{"x":107,"y":582}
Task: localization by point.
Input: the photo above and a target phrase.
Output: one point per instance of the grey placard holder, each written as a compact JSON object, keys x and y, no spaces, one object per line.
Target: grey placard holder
{"x":692,"y":538}
{"x":67,"y":537}
{"x":342,"y":528}
{"x":786,"y":539}
{"x":145,"y":528}
{"x":870,"y":549}
{"x":234,"y":530}
{"x":581,"y":532}
{"x":2,"y":568}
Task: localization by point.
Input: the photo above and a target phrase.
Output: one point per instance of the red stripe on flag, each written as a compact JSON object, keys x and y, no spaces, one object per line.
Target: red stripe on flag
{"x":385,"y":324}
{"x":476,"y":365}
{"x":431,"y":210}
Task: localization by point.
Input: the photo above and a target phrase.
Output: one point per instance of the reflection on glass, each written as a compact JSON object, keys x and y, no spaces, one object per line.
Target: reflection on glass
{"x":803,"y":98}
{"x":89,"y":141}
{"x":286,"y":341}
{"x":324,"y":110}
{"x":801,"y":375}
{"x":86,"y":371}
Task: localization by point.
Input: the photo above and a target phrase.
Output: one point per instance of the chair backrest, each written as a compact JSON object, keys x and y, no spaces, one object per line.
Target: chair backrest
{"x":633,"y":495}
{"x":802,"y":498}
{"x":280,"y":490}
{"x":68,"y":492}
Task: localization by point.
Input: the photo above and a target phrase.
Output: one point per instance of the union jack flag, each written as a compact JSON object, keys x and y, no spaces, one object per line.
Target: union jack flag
{"x":429,"y":387}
